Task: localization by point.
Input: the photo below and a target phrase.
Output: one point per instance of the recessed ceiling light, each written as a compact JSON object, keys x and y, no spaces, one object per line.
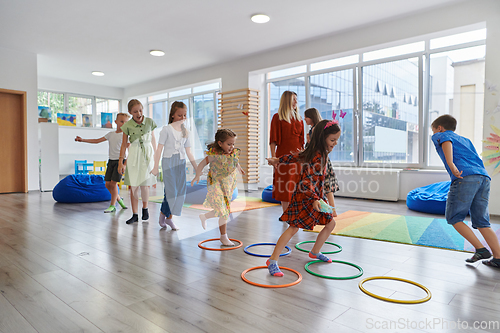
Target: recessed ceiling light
{"x":260,"y":18}
{"x":96,"y":73}
{"x":157,"y":53}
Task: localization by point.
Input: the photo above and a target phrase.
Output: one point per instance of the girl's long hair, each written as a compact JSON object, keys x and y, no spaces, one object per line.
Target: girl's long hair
{"x":318,"y":141}
{"x":222,"y":135}
{"x":314,"y":115}
{"x":285,"y":111}
{"x":173,"y":109}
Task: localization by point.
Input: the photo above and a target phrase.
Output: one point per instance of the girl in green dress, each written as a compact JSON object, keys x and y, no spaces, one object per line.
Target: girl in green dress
{"x":139,"y":132}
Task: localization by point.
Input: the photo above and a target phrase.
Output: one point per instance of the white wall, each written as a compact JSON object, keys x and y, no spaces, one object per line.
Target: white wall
{"x":18,"y":72}
{"x":492,"y":98}
{"x":70,"y":150}
{"x":411,"y":179}
{"x":408,"y":179}
{"x":470,"y":74}
{"x":81,"y":88}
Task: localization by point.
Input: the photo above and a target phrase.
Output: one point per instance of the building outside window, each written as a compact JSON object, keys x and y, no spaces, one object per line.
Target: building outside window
{"x":377,"y":100}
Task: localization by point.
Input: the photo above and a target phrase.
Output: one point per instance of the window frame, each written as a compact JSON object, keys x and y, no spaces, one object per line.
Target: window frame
{"x":66,"y":96}
{"x":423,"y":91}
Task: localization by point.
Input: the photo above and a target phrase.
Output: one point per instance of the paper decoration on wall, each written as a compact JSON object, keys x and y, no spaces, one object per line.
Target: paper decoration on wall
{"x":66,"y":119}
{"x":342,"y":114}
{"x":491,"y":87}
{"x":86,"y":120}
{"x":495,"y":110}
{"x":492,"y":150}
{"x":106,"y":120}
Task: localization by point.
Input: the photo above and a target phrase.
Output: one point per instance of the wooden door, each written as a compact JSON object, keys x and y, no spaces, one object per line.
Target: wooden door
{"x":13,"y":142}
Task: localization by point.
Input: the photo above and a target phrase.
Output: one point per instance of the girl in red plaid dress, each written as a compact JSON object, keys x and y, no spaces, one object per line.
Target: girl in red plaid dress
{"x":304,"y":210}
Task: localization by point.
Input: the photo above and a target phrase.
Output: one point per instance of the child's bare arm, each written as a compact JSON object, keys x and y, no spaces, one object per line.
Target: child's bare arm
{"x":331,"y":202}
{"x":272,"y":147}
{"x":199,"y":170}
{"x":123,"y":148}
{"x":240,"y":169}
{"x":79,"y":139}
{"x":153,"y":140}
{"x":447,"y":147}
{"x":191,"y":158}
{"x":158,"y":152}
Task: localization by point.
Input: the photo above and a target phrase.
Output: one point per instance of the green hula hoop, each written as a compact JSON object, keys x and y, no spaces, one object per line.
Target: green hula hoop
{"x":331,"y":252}
{"x":334,"y":277}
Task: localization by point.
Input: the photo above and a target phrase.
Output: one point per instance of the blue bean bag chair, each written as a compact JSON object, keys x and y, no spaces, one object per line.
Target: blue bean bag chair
{"x":429,"y":199}
{"x":81,"y":188}
{"x":196,"y":194}
{"x":267,"y":195}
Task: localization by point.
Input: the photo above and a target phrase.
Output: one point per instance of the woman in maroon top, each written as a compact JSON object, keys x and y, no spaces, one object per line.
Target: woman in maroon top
{"x":287,"y":136}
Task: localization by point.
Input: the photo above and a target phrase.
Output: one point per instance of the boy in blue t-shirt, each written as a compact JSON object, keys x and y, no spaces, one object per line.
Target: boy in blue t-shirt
{"x":469,"y":189}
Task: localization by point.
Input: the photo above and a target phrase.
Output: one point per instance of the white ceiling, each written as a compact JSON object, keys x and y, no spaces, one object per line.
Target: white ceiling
{"x":73,"y":38}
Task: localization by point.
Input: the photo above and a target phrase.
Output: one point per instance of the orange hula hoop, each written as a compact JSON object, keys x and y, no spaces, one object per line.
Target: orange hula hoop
{"x":222,"y":249}
{"x":271,"y":285}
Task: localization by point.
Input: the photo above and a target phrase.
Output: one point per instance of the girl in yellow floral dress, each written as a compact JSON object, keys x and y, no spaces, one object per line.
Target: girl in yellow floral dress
{"x":224,"y":161}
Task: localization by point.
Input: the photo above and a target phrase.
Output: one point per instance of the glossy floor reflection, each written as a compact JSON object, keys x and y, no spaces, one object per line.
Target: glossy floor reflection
{"x":72,"y":268}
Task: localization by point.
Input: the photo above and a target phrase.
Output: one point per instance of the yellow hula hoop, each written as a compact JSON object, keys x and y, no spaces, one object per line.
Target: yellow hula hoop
{"x":417,"y":301}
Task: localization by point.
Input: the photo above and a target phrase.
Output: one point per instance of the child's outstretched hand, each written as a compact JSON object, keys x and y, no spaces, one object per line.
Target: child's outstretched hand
{"x":78,"y":139}
{"x":241,"y":170}
{"x":273,"y":161}
{"x":195,"y":180}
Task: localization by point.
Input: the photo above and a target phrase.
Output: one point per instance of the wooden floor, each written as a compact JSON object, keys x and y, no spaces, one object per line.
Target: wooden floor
{"x":72,"y":268}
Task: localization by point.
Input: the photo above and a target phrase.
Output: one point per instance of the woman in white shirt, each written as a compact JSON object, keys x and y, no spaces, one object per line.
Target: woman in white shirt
{"x":175,"y":145}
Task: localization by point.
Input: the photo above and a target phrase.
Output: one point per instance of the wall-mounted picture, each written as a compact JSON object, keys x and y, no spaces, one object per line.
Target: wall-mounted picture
{"x":44,"y":112}
{"x":66,"y":119}
{"x":106,"y":120}
{"x":87,"y":120}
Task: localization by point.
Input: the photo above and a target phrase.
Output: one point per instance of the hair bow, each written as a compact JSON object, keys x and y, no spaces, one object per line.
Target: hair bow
{"x":330,"y":123}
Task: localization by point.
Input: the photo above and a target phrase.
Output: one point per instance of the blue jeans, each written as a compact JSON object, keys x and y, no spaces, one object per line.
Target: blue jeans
{"x":470,"y":193}
{"x":174,"y":180}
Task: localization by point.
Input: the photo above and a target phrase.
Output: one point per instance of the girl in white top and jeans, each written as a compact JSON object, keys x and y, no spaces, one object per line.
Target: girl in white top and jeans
{"x":175,"y":145}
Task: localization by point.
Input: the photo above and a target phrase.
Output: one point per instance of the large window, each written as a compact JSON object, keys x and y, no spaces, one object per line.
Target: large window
{"x":385,"y":99}
{"x":49,"y":104}
{"x":106,"y":106}
{"x":203,"y":116}
{"x":87,"y":109}
{"x":80,"y":106}
{"x":277,"y":88}
{"x":390,"y":112}
{"x":332,"y":94}
{"x":201,"y":102}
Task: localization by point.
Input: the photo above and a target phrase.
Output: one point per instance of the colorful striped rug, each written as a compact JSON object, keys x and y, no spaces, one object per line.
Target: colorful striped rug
{"x":416,"y":230}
